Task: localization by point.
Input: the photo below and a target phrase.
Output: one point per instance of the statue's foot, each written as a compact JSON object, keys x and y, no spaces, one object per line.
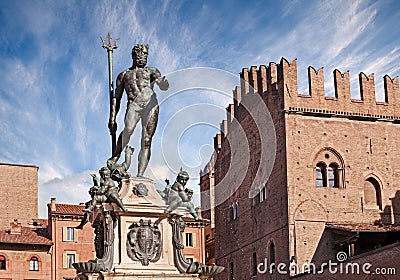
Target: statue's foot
{"x":79,"y":227}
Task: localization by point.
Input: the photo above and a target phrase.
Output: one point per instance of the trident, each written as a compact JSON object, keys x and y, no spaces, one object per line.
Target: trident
{"x":110,"y":47}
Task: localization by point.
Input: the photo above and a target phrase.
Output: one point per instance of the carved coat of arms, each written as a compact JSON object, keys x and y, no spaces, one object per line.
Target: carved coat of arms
{"x":144,"y":242}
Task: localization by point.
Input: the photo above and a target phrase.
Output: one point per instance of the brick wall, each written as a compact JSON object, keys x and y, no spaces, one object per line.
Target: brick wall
{"x":20,"y":192}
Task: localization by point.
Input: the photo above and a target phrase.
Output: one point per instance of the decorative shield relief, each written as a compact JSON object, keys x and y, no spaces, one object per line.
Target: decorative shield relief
{"x":144,"y":242}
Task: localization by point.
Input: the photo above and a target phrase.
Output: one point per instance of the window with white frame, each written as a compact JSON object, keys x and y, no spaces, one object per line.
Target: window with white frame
{"x":70,"y":234}
{"x":189,"y":239}
{"x":70,"y":260}
{"x":34,"y":263}
{"x":69,"y":257}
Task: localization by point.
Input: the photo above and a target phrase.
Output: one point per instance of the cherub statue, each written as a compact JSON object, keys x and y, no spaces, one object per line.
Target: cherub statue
{"x":178,"y":196}
{"x":103,"y":190}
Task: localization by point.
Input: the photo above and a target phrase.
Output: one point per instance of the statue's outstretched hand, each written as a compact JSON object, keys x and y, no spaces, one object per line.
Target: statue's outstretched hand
{"x":163,"y":83}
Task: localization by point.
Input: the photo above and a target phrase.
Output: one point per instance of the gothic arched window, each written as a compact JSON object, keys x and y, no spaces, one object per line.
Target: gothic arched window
{"x":329,"y":169}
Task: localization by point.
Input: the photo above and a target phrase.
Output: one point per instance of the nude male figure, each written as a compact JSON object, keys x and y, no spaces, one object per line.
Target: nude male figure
{"x":138,"y":82}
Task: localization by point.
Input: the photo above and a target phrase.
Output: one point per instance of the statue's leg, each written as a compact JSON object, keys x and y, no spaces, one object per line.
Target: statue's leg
{"x":114,"y":197}
{"x":193,"y":212}
{"x":149,"y":124}
{"x":84,"y":221}
{"x":172,"y":206}
{"x":128,"y":155}
{"x":91,"y":206}
{"x":131,"y":119}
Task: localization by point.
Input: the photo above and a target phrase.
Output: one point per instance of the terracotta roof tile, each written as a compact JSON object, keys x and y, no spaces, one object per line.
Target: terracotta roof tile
{"x":190,"y":221}
{"x":364,"y":227}
{"x":27,"y":236}
{"x":71,"y":209}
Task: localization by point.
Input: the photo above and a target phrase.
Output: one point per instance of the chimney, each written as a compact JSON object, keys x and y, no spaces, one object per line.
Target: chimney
{"x":16,"y":227}
{"x":53,"y":204}
{"x":198,"y":211}
{"x":34,"y":223}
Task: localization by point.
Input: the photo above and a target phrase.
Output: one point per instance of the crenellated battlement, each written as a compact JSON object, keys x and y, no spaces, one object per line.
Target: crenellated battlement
{"x":278,"y":86}
{"x":281,"y":80}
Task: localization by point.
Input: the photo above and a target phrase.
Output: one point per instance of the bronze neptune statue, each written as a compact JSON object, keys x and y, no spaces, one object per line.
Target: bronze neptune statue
{"x":138,"y":82}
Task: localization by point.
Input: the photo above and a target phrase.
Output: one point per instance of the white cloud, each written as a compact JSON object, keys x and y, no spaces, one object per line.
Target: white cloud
{"x":67,"y":189}
{"x":350,"y":22}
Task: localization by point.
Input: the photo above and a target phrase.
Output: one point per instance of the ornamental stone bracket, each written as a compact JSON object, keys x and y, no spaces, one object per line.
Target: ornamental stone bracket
{"x":184,"y":265}
{"x":104,"y":223}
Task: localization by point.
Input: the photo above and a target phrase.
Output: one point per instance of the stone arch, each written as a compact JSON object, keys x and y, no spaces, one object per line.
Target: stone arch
{"x":34,"y":255}
{"x":310,"y":210}
{"x":372,"y":192}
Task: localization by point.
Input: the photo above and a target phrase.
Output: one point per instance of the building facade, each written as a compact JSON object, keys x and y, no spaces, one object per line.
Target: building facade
{"x":20,"y":187}
{"x":25,"y":252}
{"x":70,"y":244}
{"x":317,"y":176}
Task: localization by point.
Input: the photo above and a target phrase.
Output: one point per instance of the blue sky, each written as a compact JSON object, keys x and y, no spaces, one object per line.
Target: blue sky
{"x":54,"y":96}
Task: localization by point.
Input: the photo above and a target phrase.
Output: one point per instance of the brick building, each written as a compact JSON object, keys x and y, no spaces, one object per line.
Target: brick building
{"x":20,"y":188}
{"x":25,"y":252}
{"x":321,"y":176}
{"x":70,"y":245}
{"x":193,"y":239}
{"x":207,"y":202}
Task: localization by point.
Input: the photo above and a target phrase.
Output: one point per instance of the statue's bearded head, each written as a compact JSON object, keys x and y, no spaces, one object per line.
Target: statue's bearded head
{"x":139,"y":54}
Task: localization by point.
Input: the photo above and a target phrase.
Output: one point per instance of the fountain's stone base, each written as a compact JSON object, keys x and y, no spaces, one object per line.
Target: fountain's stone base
{"x":144,"y":222}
